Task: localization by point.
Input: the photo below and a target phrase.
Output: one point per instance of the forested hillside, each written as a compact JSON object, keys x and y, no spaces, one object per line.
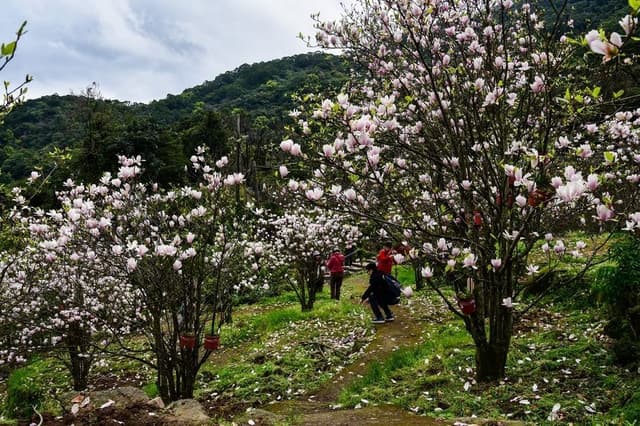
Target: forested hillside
{"x":589,"y":14}
{"x":83,"y":133}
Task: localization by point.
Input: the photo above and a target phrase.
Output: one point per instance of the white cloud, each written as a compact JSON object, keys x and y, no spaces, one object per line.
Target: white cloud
{"x":139,"y":50}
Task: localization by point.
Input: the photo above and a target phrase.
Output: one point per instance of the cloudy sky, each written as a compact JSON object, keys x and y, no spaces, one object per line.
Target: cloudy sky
{"x":140,"y":50}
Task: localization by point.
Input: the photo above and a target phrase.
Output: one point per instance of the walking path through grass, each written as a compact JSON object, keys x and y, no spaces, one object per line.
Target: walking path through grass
{"x":322,"y":408}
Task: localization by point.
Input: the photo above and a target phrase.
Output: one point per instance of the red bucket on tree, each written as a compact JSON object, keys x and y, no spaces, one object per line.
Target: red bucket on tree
{"x":211,"y":343}
{"x":468,"y":306}
{"x":187,"y":341}
{"x":477,"y":218}
{"x":538,"y":196}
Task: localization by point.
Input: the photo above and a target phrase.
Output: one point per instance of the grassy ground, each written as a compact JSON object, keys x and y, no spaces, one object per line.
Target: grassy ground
{"x":423,"y":364}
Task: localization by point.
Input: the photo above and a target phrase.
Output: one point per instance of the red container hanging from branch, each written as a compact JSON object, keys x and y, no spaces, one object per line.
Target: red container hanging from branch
{"x":477,"y":218}
{"x":468,"y":306}
{"x":187,"y":341}
{"x":537,"y":197}
{"x":211,"y":343}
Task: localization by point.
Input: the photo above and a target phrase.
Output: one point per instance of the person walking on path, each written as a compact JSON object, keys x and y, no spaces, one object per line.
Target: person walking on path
{"x":385,"y":258}
{"x":378,"y":295}
{"x":335,"y":264}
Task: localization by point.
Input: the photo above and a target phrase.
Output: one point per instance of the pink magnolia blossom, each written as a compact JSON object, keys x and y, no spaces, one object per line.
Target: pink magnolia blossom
{"x":538,"y":85}
{"x":496,"y":264}
{"x":328,"y":150}
{"x":293,"y":185}
{"x":427,"y":272}
{"x":628,"y":24}
{"x":164,"y":250}
{"x":314,"y":194}
{"x":470,"y":261}
{"x":296,"y":150}
{"x":609,"y":49}
{"x":131,"y":264}
{"x":604,"y":213}
{"x":592,"y":182}
{"x":286,"y":145}
{"x":350,"y":194}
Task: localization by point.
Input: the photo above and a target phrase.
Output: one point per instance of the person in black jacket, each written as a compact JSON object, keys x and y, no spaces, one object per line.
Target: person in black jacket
{"x":378,"y":295}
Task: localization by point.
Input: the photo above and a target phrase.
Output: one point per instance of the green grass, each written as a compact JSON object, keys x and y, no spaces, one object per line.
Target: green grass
{"x":292,"y":353}
{"x":558,"y":356}
{"x":405,"y":274}
{"x":31,"y":385}
{"x":408,"y":370}
{"x":151,"y":389}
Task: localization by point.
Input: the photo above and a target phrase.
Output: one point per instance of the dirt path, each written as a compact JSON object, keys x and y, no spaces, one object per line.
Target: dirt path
{"x":321,"y":408}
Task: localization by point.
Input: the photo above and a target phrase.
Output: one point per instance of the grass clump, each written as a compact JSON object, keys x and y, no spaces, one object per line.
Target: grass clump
{"x":26,"y":389}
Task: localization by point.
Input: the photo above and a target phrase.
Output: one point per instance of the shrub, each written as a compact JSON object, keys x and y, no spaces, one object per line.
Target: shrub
{"x":24,"y":391}
{"x":617,"y":287}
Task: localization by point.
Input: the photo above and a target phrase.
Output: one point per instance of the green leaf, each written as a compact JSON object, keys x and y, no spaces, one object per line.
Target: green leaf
{"x":573,"y":41}
{"x":8,"y":49}
{"x":618,"y":94}
{"x":596,"y":90}
{"x":634,"y":5}
{"x":609,"y":157}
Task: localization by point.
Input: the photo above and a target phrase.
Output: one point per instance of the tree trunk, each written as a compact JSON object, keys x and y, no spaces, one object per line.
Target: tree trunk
{"x":491,"y":360}
{"x":307,"y":302}
{"x":492,"y":340}
{"x":177,"y":371}
{"x":176,"y":380}
{"x":307,"y":306}
{"x":417,"y":273}
{"x":79,"y":359}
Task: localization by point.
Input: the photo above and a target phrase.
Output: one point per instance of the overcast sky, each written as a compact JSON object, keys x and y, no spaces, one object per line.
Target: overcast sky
{"x":140,"y":50}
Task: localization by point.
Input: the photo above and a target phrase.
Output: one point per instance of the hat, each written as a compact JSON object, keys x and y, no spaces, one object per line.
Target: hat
{"x":335,"y":249}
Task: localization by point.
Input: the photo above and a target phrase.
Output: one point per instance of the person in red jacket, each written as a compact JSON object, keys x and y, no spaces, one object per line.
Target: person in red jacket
{"x":335,"y":264}
{"x":385,"y":259}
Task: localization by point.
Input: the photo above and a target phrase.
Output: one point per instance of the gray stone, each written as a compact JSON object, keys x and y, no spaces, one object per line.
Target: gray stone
{"x":123,"y":397}
{"x":188,"y":412}
{"x":156,"y":402}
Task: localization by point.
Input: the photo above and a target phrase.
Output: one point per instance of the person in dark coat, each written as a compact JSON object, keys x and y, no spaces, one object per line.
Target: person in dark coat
{"x":378,"y":295}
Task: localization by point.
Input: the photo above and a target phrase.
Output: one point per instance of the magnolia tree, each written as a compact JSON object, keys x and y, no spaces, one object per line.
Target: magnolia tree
{"x":181,"y":249}
{"x":295,"y":242}
{"x":58,"y":295}
{"x":471,"y":136}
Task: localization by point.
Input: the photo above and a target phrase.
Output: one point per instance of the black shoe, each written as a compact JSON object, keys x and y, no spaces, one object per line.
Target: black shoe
{"x":389,"y":319}
{"x":378,"y":321}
